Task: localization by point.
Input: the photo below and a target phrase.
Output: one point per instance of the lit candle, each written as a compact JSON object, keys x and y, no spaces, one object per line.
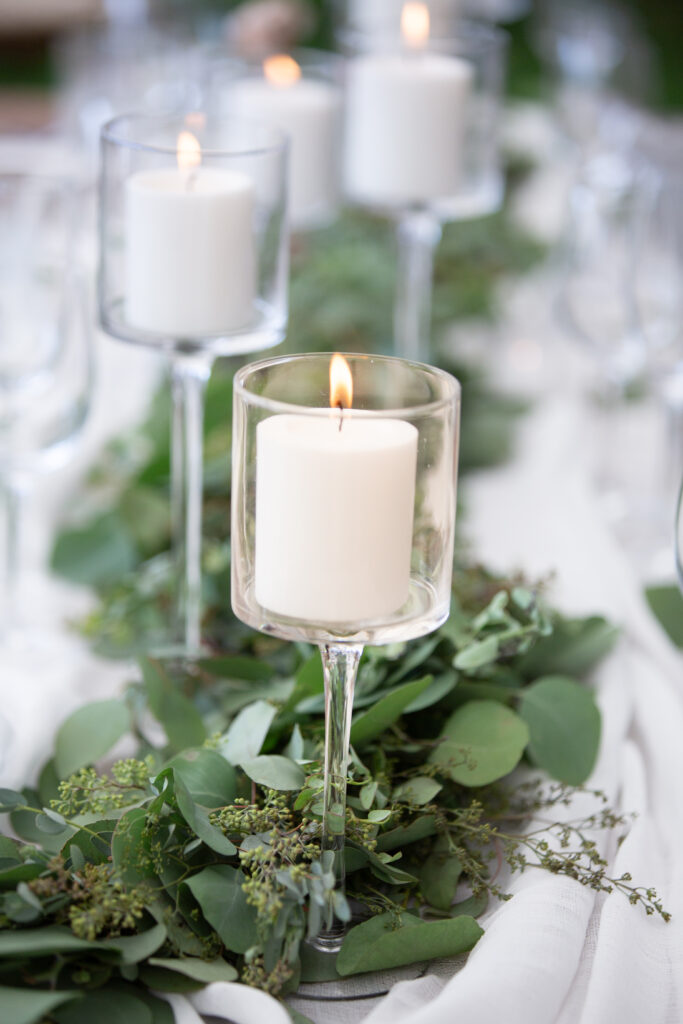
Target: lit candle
{"x":190,"y":257}
{"x":405,"y":120}
{"x":308,"y":111}
{"x":384,"y":15}
{"x":335,"y":498}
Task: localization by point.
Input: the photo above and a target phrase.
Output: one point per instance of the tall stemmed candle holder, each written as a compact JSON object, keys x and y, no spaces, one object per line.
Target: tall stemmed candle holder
{"x":343,"y":515}
{"x":193,"y":261}
{"x":421,"y":142}
{"x":301,"y":94}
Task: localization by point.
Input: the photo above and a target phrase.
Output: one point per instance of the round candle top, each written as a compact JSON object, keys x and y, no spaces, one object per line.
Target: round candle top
{"x":208,"y":181}
{"x":342,"y":432}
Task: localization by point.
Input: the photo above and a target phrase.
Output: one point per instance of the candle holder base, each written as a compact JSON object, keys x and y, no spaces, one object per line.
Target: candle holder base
{"x":329,"y":941}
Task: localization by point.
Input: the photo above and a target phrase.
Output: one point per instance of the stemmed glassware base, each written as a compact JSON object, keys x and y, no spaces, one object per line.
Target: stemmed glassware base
{"x":340,"y":668}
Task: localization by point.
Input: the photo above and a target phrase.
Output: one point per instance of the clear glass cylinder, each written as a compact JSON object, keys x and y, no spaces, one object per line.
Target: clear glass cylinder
{"x":302,"y":95}
{"x":193,"y":233}
{"x":422,"y":118}
{"x":343,"y":517}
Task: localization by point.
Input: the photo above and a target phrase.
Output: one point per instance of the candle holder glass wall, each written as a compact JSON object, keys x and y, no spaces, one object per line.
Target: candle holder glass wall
{"x":193,"y":261}
{"x":343,"y":518}
{"x":301,"y":93}
{"x":422,"y":142}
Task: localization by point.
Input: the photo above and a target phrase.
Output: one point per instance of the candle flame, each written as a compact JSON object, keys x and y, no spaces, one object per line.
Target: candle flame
{"x":341,"y":383}
{"x":415,"y":24}
{"x":281,"y":70}
{"x":189,"y":151}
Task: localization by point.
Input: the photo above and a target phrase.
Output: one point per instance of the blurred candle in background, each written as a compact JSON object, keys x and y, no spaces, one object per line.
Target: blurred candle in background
{"x":308,"y":111}
{"x":405,"y":119}
{"x":190,"y":258}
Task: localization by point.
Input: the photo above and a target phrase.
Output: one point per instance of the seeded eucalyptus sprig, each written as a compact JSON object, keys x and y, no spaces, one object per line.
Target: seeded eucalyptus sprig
{"x":200,"y":859}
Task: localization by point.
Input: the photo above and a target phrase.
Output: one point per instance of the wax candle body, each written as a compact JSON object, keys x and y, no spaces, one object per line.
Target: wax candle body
{"x":190,"y":267}
{"x":334,"y":516}
{"x":309,"y":113}
{"x":405,"y":124}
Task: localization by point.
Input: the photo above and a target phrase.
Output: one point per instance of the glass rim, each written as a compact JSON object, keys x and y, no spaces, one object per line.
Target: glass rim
{"x":484,"y":35}
{"x":108,"y":133}
{"x":277,"y":405}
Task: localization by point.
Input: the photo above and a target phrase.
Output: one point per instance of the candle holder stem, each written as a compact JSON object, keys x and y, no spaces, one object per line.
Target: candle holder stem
{"x":189,"y":373}
{"x":340,"y":667}
{"x":418,"y":233}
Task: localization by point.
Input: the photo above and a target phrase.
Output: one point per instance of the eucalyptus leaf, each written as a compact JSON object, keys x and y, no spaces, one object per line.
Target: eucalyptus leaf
{"x":564,"y":728}
{"x":439,"y":877}
{"x":238,"y":667}
{"x":30,"y":1005}
{"x":88,"y":734}
{"x":572,"y":649}
{"x":197,"y":817}
{"x":134,"y":948}
{"x":385,"y":712}
{"x":378,"y":944}
{"x":247,"y":732}
{"x":42,"y":942}
{"x":206,"y":971}
{"x":99,"y":553}
{"x":418,"y":790}
{"x":440,"y":686}
{"x":274,"y":772}
{"x":208,"y":777}
{"x":181,"y":721}
{"x":106,"y":1006}
{"x":10,"y":799}
{"x":482,"y":741}
{"x":218,"y":891}
{"x":95,"y":849}
{"x":666,"y":604}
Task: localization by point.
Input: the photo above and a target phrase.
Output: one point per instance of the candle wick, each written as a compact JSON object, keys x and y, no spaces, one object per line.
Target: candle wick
{"x":191,"y":179}
{"x":340,"y":406}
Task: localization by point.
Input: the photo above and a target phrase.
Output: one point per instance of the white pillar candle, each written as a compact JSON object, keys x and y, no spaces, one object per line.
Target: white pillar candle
{"x":308,"y":111}
{"x":190,"y":262}
{"x":334,"y":516}
{"x":385,"y":15}
{"x":405,"y":120}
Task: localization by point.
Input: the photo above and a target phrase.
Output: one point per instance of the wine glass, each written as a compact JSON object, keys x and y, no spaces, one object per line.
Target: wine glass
{"x":421,"y":142}
{"x":342,"y":525}
{"x":46,"y":357}
{"x":193,"y":261}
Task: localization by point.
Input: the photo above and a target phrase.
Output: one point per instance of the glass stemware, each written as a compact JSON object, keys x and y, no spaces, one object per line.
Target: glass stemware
{"x":46,"y":359}
{"x":193,"y":261}
{"x":679,"y":537}
{"x":421,"y":143}
{"x":342,"y":526}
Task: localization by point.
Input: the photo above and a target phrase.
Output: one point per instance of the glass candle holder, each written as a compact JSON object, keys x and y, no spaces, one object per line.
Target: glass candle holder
{"x":301,"y":94}
{"x":193,"y":261}
{"x":422,"y":142}
{"x":343,"y":517}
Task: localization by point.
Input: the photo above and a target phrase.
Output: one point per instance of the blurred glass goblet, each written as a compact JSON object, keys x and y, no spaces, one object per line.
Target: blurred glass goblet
{"x":45,"y":356}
